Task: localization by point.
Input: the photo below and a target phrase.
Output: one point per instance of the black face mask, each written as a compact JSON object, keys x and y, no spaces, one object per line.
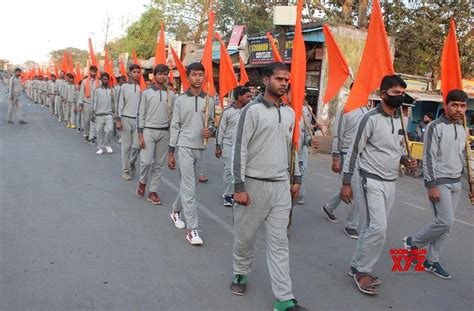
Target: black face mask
{"x":394,"y":101}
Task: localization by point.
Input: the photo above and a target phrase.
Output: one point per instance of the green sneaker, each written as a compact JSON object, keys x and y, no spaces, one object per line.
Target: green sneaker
{"x":288,"y":305}
{"x":239,"y":284}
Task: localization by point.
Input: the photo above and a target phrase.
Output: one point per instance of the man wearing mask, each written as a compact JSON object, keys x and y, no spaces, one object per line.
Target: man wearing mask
{"x":154,"y":116}
{"x":103,"y":111}
{"x":378,"y":151}
{"x":88,"y":86}
{"x":14,"y":104}
{"x":129,"y":99}
{"x":225,"y":137}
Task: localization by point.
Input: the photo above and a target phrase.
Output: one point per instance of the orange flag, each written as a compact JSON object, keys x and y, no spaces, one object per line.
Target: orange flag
{"x":48,"y":73}
{"x":207,"y":56}
{"x":181,"y":69}
{"x":298,"y":73}
{"x":142,"y":80}
{"x":227,"y":80}
{"x":170,"y":76}
{"x":244,"y":78}
{"x":123,"y":71}
{"x":338,"y":70}
{"x":64,"y":63}
{"x":376,"y":62}
{"x":451,"y":77}
{"x":94,"y":61}
{"x":160,"y":53}
{"x":79,"y":75}
{"x":70,"y":65}
{"x":56,"y":71}
{"x":108,"y":68}
{"x":276,"y":53}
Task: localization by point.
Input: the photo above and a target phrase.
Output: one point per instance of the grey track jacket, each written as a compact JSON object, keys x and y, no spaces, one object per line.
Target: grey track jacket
{"x":345,"y":129}
{"x":443,"y":152}
{"x":153,"y":110}
{"x":129,"y":100}
{"x":69,"y":92}
{"x":227,"y":125}
{"x":263,"y":143}
{"x":82,"y":93}
{"x":15,"y":86}
{"x":188,"y":121}
{"x":377,"y":146}
{"x":103,"y":102}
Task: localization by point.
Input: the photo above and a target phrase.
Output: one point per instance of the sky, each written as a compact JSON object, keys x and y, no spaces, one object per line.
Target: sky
{"x":30,"y":29}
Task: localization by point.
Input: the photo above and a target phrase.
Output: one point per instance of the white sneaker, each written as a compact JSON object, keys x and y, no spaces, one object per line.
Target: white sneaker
{"x":100,"y":151}
{"x":109,"y":149}
{"x":193,"y":237}
{"x":176,"y":218}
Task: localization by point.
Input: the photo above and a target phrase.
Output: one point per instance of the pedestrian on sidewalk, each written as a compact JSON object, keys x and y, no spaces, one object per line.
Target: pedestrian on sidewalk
{"x":377,"y":149}
{"x":129,"y":99}
{"x":443,"y":161}
{"x":187,"y":135}
{"x":225,"y":137}
{"x":103,"y":112}
{"x":14,"y":98}
{"x":262,"y":192}
{"x":154,"y":116}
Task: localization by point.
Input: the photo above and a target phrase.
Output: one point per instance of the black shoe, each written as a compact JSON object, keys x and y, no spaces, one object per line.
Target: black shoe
{"x":23,"y":122}
{"x":86,"y":139}
{"x":437,"y":270}
{"x":329,"y":215}
{"x":10,"y":122}
{"x":93,"y":141}
{"x":228,"y":201}
{"x":239,"y":284}
{"x":352,"y":233}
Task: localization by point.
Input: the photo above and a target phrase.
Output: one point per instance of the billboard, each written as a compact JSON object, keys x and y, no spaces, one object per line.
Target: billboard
{"x":261,"y":51}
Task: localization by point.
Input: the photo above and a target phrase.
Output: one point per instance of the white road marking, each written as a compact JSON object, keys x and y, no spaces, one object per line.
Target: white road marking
{"x":329,"y":177}
{"x":415,"y":206}
{"x":455,"y":219}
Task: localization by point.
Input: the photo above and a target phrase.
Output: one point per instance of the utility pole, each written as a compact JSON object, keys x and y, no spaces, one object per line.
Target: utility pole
{"x":107,"y":26}
{"x":282,"y":34}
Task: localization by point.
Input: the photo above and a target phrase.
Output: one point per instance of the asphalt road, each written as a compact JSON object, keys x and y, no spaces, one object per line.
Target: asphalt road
{"x":74,"y":236}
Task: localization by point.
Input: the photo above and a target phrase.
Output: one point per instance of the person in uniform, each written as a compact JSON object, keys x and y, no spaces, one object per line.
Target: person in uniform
{"x":88,"y":86}
{"x":51,"y":94}
{"x":103,"y":112}
{"x":14,"y":98}
{"x":70,"y":100}
{"x":58,"y":106}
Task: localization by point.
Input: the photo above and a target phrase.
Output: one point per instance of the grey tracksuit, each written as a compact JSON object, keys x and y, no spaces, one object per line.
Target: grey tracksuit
{"x":185,"y":134}
{"x":69,"y":91}
{"x":57,"y":99}
{"x":14,"y":105}
{"x":224,"y":139}
{"x":78,"y":113}
{"x":154,"y":122}
{"x":343,"y":135}
{"x":261,"y":157}
{"x":86,"y":102}
{"x":51,"y":95}
{"x":129,"y":100}
{"x":378,"y":149}
{"x":103,"y":108}
{"x":443,"y":160}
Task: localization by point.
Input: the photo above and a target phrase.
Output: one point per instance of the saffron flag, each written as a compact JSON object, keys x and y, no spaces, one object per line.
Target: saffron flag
{"x":376,"y":62}
{"x":108,"y":67}
{"x":338,"y":69}
{"x":244,"y":78}
{"x":142,"y":80}
{"x":56,"y":71}
{"x":64,"y":63}
{"x":298,"y":73}
{"x":227,"y":80}
{"x":207,"y":56}
{"x":160,"y":53}
{"x":170,"y":76}
{"x":70,"y":65}
{"x":94,"y":61}
{"x":276,"y":53}
{"x":451,"y":77}
{"x":181,"y":69}
{"x":123,"y":71}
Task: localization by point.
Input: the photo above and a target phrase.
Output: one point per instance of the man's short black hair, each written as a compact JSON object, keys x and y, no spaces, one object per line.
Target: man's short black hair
{"x":70,"y":76}
{"x":133,"y":67}
{"x":429,"y":115}
{"x":240,"y":91}
{"x":121,"y":78}
{"x":194,"y":67}
{"x":456,"y":96}
{"x":53,"y":76}
{"x":250,"y":84}
{"x":270,"y":69}
{"x":105,"y":74}
{"x":93,"y":68}
{"x":161,"y":69}
{"x":390,"y":81}
{"x":17,"y":69}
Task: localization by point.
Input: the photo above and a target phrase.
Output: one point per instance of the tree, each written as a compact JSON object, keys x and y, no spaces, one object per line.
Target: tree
{"x":78,"y":55}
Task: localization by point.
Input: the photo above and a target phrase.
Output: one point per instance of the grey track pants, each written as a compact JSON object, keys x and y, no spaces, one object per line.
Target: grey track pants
{"x":378,"y":197}
{"x":70,"y":114}
{"x":352,"y":218}
{"x":270,"y":204}
{"x":14,"y":107}
{"x":153,"y":156}
{"x":86,"y":119}
{"x":435,"y":233}
{"x":58,"y":107}
{"x":130,"y":149}
{"x":105,"y":126}
{"x":188,"y":175}
{"x":227,"y":176}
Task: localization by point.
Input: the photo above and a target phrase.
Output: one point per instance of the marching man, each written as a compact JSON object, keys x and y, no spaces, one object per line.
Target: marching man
{"x":103,"y":111}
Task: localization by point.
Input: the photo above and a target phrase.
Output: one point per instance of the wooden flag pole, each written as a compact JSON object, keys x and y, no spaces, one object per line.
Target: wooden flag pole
{"x":312,"y":113}
{"x":468,"y":160}
{"x":206,"y":111}
{"x":405,"y":134}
